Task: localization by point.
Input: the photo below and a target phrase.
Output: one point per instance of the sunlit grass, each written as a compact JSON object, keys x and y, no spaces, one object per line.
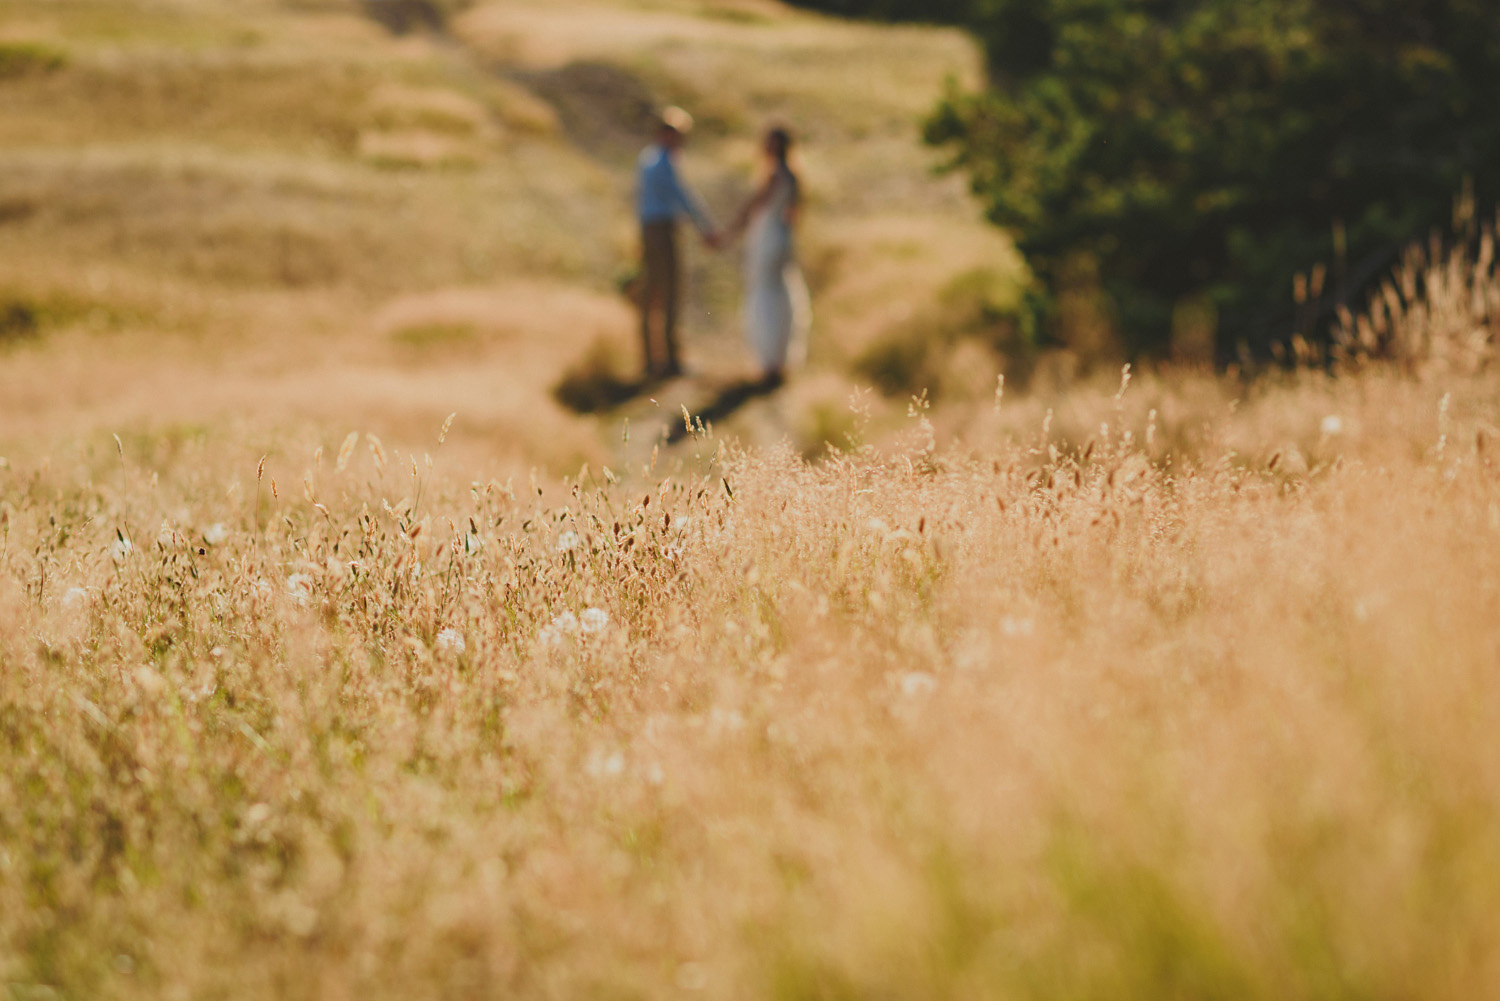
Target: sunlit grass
{"x":1038,"y":717}
{"x":1167,"y":686}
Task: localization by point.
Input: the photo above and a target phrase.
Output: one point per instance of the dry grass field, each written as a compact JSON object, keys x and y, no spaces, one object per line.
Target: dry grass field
{"x":1163,"y":686}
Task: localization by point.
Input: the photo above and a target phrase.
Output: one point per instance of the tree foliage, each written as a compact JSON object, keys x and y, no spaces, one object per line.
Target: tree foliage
{"x":1207,"y":151}
{"x":931,"y":11}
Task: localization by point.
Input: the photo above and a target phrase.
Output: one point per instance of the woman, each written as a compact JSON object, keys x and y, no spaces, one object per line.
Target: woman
{"x":775,"y":311}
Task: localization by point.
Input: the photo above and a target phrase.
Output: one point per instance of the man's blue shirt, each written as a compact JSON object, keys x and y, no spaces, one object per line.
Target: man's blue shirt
{"x":660,"y":196}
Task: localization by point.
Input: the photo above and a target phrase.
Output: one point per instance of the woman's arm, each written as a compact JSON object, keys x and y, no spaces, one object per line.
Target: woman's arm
{"x":752,"y":205}
{"x":794,"y":204}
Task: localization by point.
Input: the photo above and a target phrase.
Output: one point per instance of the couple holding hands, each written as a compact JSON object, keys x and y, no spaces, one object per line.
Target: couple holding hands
{"x":775,"y":309}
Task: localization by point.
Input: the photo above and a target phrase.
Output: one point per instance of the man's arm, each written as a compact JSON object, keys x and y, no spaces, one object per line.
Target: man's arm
{"x":688,"y":203}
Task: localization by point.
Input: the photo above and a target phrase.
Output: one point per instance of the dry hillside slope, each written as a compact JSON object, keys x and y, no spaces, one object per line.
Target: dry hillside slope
{"x":277,"y":213}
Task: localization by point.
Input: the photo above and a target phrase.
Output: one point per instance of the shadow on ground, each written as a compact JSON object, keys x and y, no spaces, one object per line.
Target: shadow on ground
{"x":590,"y":391}
{"x":605,"y":110}
{"x":403,"y":17}
{"x":722,"y":405}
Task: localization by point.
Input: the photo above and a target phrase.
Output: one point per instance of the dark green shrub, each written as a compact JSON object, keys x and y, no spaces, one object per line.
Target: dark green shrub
{"x":18,"y":59}
{"x":1208,"y":151}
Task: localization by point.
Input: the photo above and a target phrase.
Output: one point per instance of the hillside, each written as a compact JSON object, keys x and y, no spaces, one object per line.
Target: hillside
{"x":266,"y":216}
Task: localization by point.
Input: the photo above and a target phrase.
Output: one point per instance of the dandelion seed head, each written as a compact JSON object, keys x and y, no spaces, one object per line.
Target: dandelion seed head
{"x":299,"y":587}
{"x":601,"y":765}
{"x":1332,"y":424}
{"x":1367,"y":606}
{"x":450,"y":641}
{"x":561,"y":628}
{"x":692,"y":977}
{"x":1017,"y":626}
{"x":148,"y":681}
{"x":725,"y":721}
{"x":215,"y":534}
{"x":568,"y":541}
{"x":916,"y":683}
{"x":594,"y":620}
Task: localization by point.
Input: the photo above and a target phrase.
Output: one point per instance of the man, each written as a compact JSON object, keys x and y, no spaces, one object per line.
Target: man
{"x":661,"y":199}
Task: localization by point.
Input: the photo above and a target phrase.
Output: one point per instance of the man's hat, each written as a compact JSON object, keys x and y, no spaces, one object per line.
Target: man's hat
{"x":677,"y":119}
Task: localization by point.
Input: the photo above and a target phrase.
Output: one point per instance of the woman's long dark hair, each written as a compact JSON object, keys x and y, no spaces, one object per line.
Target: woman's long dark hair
{"x":779,"y":142}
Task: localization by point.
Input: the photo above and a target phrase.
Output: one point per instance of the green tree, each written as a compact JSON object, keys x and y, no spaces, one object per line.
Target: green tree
{"x":1206,"y":151}
{"x":930,"y":11}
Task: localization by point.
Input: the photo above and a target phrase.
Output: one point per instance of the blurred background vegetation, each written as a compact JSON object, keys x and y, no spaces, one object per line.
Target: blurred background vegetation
{"x":1201,"y":177}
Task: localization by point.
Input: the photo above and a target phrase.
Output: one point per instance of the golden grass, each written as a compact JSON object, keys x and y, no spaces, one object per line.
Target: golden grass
{"x":308,"y":690}
{"x":1024,"y":718}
